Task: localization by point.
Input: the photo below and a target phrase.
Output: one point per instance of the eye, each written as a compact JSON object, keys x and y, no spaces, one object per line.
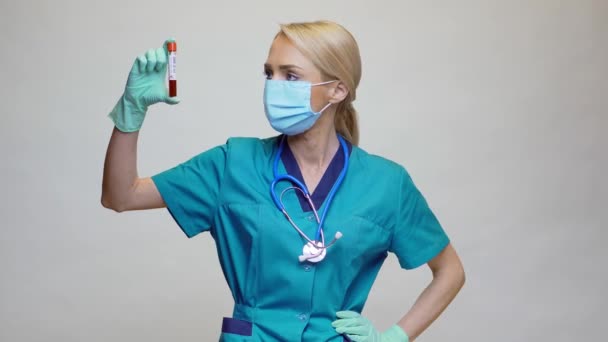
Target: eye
{"x":268,"y":74}
{"x":292,"y":77}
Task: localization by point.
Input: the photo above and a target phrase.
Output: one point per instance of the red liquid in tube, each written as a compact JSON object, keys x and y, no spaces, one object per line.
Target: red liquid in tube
{"x":172,"y":49}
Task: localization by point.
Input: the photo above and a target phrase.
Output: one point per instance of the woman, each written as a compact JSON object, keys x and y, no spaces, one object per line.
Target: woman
{"x":288,"y":283}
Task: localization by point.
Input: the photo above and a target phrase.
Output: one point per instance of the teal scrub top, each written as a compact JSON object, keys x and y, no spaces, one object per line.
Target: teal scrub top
{"x":226,"y":191}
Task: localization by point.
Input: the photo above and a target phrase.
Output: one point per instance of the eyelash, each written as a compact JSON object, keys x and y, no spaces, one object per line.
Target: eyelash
{"x":290,"y":76}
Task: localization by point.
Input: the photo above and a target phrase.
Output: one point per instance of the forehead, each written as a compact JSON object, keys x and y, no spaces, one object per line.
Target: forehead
{"x":282,"y":52}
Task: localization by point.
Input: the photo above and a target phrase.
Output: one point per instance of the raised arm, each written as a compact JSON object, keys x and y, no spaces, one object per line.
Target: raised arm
{"x":122,"y":189}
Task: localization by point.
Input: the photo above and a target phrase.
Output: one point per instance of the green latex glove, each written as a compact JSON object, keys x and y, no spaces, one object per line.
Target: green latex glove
{"x":360,"y":329}
{"x":146,"y":86}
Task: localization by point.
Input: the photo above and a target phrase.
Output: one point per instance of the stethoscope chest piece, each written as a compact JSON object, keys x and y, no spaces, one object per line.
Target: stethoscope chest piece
{"x":313,"y":252}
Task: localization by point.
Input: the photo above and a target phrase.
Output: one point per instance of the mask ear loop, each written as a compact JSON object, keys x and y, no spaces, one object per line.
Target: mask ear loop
{"x":322,"y":83}
{"x":324,"y":108}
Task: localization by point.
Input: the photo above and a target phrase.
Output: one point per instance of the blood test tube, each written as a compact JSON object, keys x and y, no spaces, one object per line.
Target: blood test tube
{"x":172,"y":48}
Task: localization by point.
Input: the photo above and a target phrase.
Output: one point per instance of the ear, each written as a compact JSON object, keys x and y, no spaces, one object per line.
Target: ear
{"x":338,"y":93}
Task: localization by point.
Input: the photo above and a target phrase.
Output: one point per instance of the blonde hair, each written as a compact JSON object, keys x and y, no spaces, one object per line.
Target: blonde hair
{"x":334,"y":51}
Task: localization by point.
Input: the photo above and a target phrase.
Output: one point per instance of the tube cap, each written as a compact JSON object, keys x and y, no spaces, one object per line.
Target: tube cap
{"x":171,"y":46}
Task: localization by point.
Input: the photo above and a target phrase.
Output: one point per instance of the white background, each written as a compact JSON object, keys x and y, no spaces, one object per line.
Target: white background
{"x":498,"y":109}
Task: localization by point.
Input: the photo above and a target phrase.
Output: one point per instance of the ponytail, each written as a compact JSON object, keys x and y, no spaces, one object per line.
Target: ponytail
{"x":346,"y":122}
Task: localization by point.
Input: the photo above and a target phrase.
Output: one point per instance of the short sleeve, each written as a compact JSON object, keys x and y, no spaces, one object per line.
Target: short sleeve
{"x":191,"y":190}
{"x":418,"y":236}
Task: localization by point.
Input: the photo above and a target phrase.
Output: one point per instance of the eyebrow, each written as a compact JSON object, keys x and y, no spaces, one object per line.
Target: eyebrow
{"x":283,"y":66}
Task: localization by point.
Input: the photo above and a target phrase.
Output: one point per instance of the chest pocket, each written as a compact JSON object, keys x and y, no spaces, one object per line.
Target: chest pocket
{"x":365,"y":240}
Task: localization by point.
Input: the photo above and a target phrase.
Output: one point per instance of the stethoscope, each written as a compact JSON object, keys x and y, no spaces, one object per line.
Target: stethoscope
{"x":314,"y":250}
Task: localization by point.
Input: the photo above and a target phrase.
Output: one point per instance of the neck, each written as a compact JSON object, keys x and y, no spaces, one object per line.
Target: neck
{"x":316,"y":147}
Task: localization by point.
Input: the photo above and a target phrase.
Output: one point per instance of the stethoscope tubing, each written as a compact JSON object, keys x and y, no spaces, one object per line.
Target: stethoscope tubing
{"x":302,"y":187}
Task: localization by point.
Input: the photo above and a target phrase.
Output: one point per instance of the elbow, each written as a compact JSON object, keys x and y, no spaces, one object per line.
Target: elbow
{"x":456,"y":273}
{"x":450,"y":271}
{"x":455,"y":277}
{"x":462,"y":278}
{"x":107,"y":203}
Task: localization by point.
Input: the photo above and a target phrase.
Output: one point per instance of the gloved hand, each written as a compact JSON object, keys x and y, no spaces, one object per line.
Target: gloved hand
{"x":360,"y":329}
{"x":146,"y":86}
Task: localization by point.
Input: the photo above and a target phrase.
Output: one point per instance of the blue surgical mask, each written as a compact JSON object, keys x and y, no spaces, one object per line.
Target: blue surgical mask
{"x":287,"y":105}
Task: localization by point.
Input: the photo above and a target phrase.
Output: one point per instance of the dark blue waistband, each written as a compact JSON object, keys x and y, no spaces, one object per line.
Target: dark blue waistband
{"x":244,"y":328}
{"x":236,"y":326}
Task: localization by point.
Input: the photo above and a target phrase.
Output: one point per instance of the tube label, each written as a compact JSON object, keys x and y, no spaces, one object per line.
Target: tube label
{"x":172,"y":75}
